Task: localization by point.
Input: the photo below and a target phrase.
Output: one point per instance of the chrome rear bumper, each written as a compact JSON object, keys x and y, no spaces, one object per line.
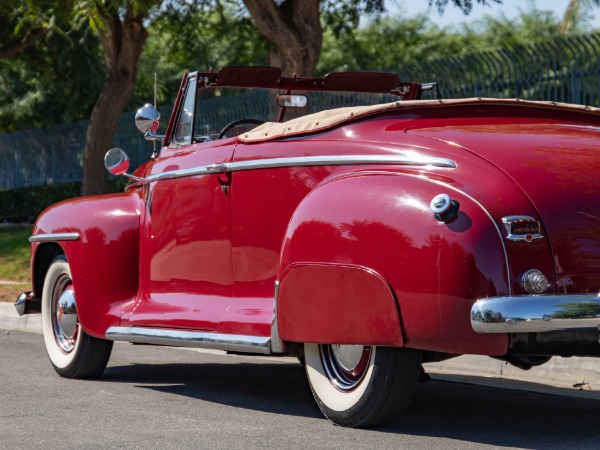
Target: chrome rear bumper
{"x":535,"y":313}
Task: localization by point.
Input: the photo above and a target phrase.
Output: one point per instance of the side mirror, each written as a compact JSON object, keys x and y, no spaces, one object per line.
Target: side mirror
{"x":147,"y":118}
{"x":116,"y":161}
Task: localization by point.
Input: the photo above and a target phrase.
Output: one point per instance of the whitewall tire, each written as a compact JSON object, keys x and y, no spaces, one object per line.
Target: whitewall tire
{"x":72,"y":352}
{"x":361,"y":386}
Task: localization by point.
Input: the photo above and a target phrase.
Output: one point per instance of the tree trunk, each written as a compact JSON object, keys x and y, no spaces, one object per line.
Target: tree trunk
{"x":122,"y":42}
{"x":293,"y":28}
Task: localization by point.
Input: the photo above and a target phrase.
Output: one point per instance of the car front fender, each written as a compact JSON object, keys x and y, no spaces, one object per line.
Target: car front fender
{"x":100,"y":238}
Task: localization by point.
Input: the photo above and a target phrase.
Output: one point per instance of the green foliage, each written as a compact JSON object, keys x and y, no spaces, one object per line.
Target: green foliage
{"x":386,"y":43}
{"x":23,"y":22}
{"x":389,"y":42}
{"x":500,"y":32}
{"x":465,"y":5}
{"x":345,"y":16}
{"x":196,"y":38}
{"x":55,"y":80}
{"x":577,"y":11}
{"x":23,"y":205}
{"x":48,"y":81}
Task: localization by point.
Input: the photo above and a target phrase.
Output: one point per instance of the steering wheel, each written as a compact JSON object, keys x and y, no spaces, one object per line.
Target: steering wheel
{"x":235,"y":123}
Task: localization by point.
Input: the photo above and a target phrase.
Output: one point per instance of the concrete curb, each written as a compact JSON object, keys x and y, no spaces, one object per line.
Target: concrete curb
{"x":576,"y":374}
{"x":10,"y":320}
{"x":580,"y":376}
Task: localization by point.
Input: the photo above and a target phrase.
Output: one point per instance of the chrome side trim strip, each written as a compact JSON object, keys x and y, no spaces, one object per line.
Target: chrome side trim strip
{"x":411,"y":159}
{"x":535,"y":313}
{"x":199,"y":339}
{"x":403,"y":160}
{"x":53,"y":237}
{"x":170,"y":175}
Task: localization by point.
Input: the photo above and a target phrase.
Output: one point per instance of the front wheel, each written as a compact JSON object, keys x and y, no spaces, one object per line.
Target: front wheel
{"x":361,"y":386}
{"x":72,"y":352}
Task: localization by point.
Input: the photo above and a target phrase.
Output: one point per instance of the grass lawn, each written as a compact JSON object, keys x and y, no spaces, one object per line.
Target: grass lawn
{"x":10,"y":292}
{"x":14,"y":262}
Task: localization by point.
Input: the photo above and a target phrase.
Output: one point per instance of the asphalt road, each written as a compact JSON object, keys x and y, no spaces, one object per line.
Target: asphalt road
{"x":157,"y":397}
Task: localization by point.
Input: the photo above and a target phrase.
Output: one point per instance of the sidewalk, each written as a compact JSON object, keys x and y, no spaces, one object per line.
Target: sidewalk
{"x":574,"y":376}
{"x":10,"y":320}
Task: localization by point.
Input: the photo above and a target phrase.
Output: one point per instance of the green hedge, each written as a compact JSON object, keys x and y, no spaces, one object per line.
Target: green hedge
{"x":23,"y":205}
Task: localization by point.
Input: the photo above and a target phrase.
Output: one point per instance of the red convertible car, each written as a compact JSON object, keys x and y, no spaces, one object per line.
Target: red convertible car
{"x":364,"y":239}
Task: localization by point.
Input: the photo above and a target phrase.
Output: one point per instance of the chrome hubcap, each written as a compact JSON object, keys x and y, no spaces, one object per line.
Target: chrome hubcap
{"x":345,"y":365}
{"x":64,"y":314}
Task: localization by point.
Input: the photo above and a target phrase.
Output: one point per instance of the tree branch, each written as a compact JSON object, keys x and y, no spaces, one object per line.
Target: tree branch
{"x":8,"y":50}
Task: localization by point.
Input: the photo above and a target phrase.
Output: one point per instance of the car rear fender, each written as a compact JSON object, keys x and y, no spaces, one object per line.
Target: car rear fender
{"x":100,"y":237}
{"x":364,"y":261}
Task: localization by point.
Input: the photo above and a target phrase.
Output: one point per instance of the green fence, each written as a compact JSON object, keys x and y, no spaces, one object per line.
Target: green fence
{"x":563,"y":70}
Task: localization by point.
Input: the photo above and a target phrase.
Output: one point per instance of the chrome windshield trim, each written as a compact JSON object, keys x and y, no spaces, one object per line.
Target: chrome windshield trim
{"x":307,"y":161}
{"x":199,"y":339}
{"x":535,"y":313}
{"x":53,"y":237}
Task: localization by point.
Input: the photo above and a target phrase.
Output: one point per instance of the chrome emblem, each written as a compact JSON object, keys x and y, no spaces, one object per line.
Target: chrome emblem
{"x":522,"y":228}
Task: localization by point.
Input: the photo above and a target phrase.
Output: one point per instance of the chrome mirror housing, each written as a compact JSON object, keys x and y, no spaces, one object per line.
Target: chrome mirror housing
{"x":116,"y":161}
{"x":147,"y":118}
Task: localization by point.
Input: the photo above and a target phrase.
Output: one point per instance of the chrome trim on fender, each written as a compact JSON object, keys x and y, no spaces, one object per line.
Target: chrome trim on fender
{"x":277,"y":345}
{"x":535,"y":313}
{"x":306,"y":161}
{"x":181,"y":338}
{"x":53,"y":237}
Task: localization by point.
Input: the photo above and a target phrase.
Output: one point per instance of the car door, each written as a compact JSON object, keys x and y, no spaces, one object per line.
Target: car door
{"x":186,"y":270}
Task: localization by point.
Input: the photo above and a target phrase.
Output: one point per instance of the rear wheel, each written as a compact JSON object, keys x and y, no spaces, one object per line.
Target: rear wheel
{"x":361,"y":386}
{"x":72,"y":352}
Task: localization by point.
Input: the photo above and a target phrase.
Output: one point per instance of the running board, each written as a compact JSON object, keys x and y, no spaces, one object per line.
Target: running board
{"x":180,"y":338}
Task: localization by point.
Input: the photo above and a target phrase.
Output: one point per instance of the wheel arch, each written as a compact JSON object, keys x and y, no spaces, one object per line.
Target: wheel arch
{"x":43,"y":256}
{"x":379,"y":225}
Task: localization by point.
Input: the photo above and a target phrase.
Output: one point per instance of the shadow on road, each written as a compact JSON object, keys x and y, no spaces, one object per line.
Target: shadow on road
{"x":275,"y":388}
{"x":500,"y":417}
{"x":439,"y":409}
